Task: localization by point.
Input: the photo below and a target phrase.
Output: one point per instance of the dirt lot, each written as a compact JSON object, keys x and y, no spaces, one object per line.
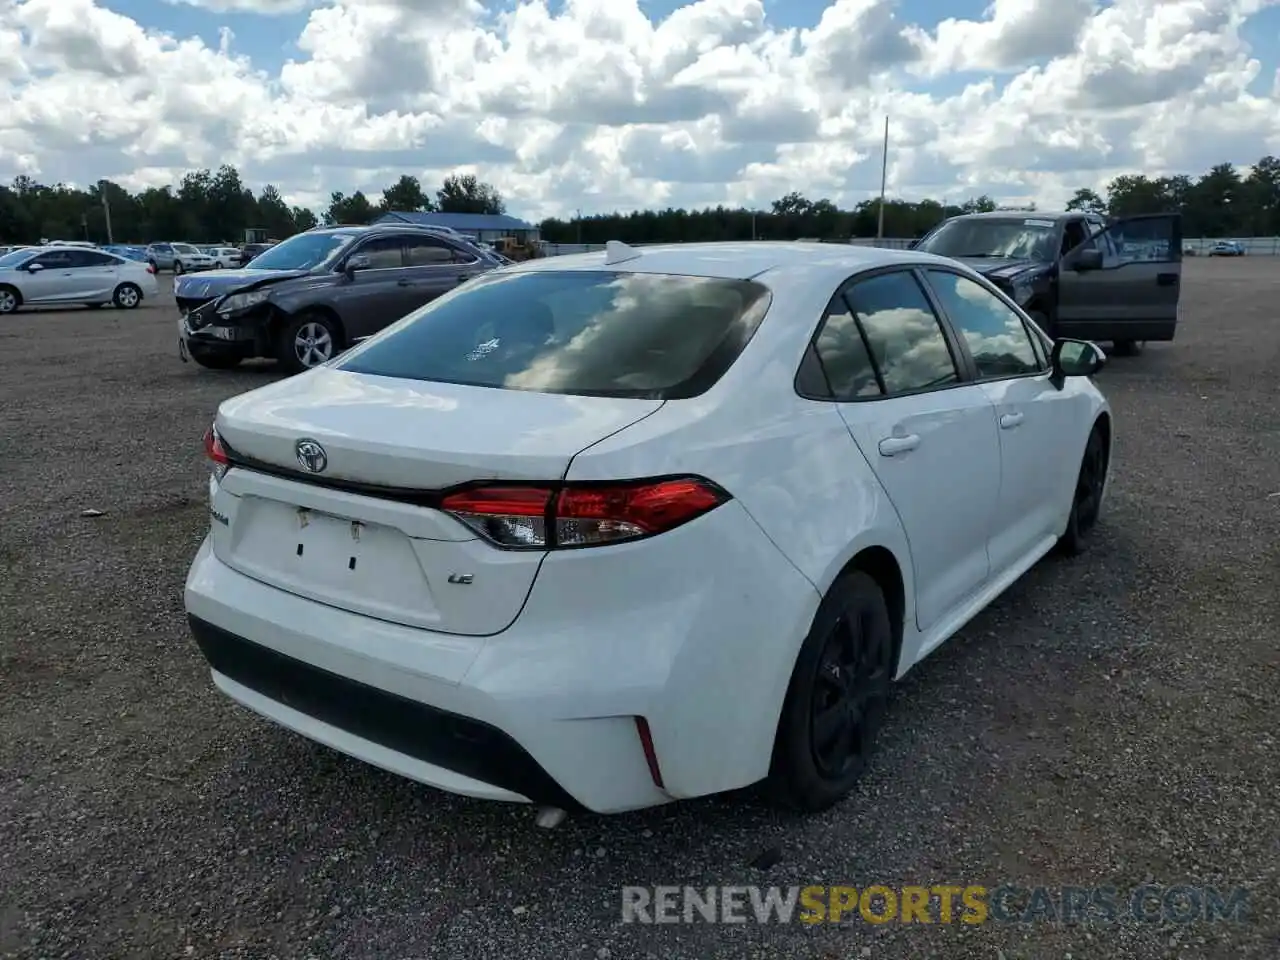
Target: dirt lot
{"x":1110,"y":721}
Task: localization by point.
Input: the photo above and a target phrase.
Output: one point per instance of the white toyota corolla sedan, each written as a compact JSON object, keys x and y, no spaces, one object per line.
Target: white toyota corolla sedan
{"x":610,"y":530}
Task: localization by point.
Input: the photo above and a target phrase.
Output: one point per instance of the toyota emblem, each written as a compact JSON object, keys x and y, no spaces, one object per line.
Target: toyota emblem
{"x":311,"y":456}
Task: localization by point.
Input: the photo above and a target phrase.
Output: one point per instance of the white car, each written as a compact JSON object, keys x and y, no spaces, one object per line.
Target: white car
{"x":52,"y":275}
{"x":224,"y":258}
{"x":610,"y":530}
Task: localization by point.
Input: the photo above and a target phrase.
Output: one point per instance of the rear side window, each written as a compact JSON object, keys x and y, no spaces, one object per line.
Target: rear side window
{"x":906,"y":342}
{"x":844,"y":356}
{"x":587,"y":333}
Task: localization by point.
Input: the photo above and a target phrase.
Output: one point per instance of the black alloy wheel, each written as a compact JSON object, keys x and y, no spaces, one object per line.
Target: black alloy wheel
{"x":1086,"y":504}
{"x":837,"y":698}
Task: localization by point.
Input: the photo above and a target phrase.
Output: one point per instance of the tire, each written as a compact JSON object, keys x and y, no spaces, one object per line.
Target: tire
{"x":841,"y":680}
{"x":1127,"y":348}
{"x":214,"y":361}
{"x":314,"y":328}
{"x":10,"y":300}
{"x":127,"y":297}
{"x":1086,"y":496}
{"x":177,"y":268}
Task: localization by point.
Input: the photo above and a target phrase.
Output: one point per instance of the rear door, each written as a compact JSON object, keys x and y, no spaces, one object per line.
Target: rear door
{"x":96,"y":274}
{"x":929,"y":436}
{"x":1134,"y":295}
{"x":434,"y":267}
{"x":375,"y":295}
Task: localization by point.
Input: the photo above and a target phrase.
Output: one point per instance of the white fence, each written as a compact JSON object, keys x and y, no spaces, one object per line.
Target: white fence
{"x":1200,"y":246}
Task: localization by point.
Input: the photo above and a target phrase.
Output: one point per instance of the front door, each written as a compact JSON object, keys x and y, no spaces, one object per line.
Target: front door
{"x":1131,"y":293}
{"x":50,"y":282}
{"x":1012,"y":369}
{"x":929,"y":437}
{"x":374,"y":296}
{"x":94,"y":275}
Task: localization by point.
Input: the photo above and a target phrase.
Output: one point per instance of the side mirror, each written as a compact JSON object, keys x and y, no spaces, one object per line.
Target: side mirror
{"x":1090,"y":259}
{"x":34,"y":267}
{"x":358,"y":262}
{"x":1076,"y":358}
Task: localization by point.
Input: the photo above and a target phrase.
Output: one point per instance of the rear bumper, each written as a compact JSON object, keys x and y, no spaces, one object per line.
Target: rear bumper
{"x":324,"y":705}
{"x":698,"y":635}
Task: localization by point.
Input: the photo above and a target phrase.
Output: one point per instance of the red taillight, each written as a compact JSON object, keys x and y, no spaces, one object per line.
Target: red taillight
{"x":650,"y":754}
{"x":213,"y":448}
{"x":214,"y":451}
{"x":581,"y":515}
{"x":150,"y":268}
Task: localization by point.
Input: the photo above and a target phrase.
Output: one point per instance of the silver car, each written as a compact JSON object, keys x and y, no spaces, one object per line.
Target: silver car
{"x":179,"y":257}
{"x":65,"y":275}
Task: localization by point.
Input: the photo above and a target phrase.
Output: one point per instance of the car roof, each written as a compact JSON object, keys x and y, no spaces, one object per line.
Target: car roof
{"x":766,"y":260}
{"x":1025,"y":215}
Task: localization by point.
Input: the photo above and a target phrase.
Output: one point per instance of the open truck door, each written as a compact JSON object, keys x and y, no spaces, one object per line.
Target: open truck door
{"x":1122,"y":284}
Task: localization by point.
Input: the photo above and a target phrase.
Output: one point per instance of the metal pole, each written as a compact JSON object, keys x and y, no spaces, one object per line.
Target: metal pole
{"x":106,"y":209}
{"x":884,"y":176}
{"x":578,"y":217}
{"x":753,"y":225}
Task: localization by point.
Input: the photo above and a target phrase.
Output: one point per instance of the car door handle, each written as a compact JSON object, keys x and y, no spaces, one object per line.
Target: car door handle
{"x":892,"y":446}
{"x":1167,"y":279}
{"x":1010,"y":420}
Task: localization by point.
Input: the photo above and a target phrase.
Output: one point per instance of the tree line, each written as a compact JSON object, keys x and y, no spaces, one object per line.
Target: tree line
{"x":212,"y":206}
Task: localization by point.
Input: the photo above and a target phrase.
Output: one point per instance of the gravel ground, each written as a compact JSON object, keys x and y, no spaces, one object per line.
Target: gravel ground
{"x":1111,"y":720}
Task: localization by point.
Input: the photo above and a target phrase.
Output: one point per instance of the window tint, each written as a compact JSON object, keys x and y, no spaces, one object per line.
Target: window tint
{"x":587,"y":333}
{"x":91,"y":258}
{"x":54,"y":259}
{"x":426,"y":252}
{"x":844,"y":356}
{"x":1073,"y":235}
{"x":997,"y":338}
{"x":383,"y":253}
{"x":907,"y":344}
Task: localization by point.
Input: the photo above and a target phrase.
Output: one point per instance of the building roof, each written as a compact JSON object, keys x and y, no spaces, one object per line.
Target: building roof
{"x":461,"y":222}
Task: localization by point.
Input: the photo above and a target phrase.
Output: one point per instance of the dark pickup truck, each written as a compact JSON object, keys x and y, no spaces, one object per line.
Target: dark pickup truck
{"x":1077,"y":275}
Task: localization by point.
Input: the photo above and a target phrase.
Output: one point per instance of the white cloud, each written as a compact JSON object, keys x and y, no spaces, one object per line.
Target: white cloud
{"x":597,"y":106}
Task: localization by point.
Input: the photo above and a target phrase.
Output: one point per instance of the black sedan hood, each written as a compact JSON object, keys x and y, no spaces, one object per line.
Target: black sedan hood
{"x":1004,"y":269}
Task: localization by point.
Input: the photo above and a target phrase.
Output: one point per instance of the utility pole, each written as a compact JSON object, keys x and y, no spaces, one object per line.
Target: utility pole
{"x":884,"y":176}
{"x":106,"y":209}
{"x":578,"y":218}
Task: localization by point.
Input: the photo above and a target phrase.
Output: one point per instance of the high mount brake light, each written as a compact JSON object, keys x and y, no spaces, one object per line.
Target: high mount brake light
{"x":586,"y":515}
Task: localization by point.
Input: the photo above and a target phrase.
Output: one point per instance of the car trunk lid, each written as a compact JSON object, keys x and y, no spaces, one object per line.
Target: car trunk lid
{"x":363,"y":533}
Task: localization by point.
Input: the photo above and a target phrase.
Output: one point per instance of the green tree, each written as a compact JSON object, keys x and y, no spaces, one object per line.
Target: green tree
{"x":1087,"y":201}
{"x":464,"y":193}
{"x":406,"y":196}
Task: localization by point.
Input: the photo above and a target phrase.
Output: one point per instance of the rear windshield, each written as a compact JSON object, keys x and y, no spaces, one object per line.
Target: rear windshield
{"x":587,"y":333}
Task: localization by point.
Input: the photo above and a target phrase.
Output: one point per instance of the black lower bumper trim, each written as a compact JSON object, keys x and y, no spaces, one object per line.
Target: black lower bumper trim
{"x":460,"y":744}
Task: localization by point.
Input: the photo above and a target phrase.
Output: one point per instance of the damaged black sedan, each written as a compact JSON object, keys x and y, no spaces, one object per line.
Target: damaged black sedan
{"x":307,"y":299}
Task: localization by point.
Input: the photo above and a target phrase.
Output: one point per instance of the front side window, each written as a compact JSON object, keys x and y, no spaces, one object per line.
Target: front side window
{"x":1019,"y":238}
{"x":995,"y":334}
{"x":383,"y":253}
{"x":905,"y":339}
{"x":54,"y":260}
{"x":585,"y":333}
